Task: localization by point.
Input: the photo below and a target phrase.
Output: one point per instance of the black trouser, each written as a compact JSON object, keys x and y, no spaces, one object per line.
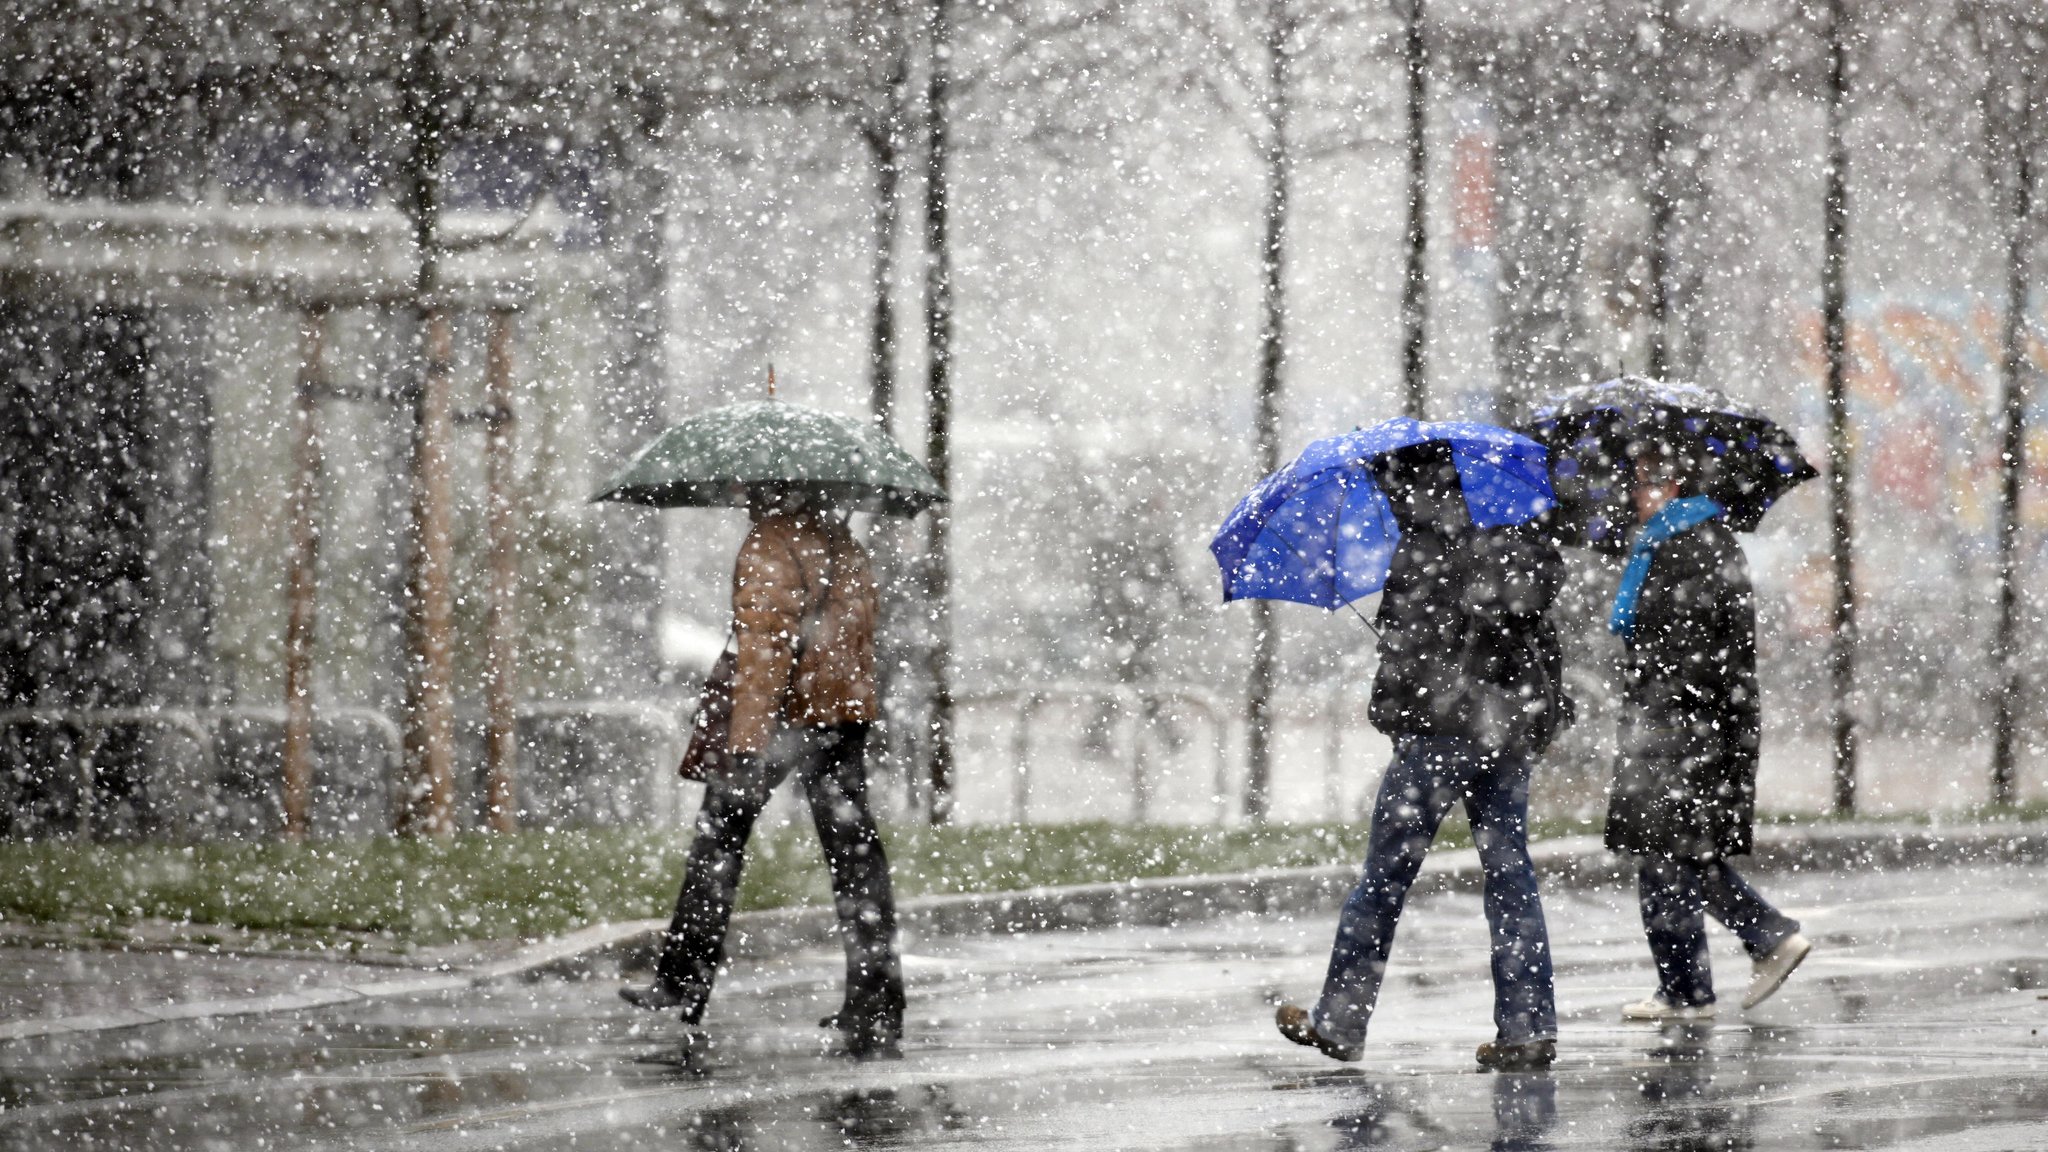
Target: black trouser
{"x":831,"y":763}
{"x":1676,"y":896}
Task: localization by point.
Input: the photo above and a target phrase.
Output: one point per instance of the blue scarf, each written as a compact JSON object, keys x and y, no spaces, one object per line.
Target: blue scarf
{"x":1676,"y":517}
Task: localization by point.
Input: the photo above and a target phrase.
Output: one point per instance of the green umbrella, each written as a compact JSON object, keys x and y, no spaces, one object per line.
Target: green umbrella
{"x":718,"y":458}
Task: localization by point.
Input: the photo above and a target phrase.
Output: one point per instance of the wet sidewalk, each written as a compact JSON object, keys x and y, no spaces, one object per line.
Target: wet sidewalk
{"x":60,"y":985}
{"x":40,"y":982}
{"x":1915,"y":1025}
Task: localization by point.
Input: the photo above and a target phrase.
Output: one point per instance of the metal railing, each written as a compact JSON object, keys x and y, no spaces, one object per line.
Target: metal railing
{"x":332,"y":716}
{"x":93,"y":725}
{"x":191,"y":784}
{"x":663,"y":725}
{"x":1138,"y":707}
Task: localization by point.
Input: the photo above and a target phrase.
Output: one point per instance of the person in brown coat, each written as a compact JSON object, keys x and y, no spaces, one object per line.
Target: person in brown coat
{"x":804,"y":608}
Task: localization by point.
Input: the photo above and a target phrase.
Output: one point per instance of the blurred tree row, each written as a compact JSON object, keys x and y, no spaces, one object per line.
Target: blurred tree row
{"x":1657,"y":105}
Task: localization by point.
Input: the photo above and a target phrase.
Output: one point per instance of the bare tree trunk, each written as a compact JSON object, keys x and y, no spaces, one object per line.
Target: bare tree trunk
{"x":2012,"y":470}
{"x":1415,"y":281}
{"x":501,"y":625}
{"x":882,"y":325}
{"x":1834,"y":337}
{"x":426,"y":803}
{"x":1266,"y":427}
{"x":885,"y":142}
{"x":1657,"y":189}
{"x":939,"y":413}
{"x":426,"y":800}
{"x":301,"y":620}
{"x":625,"y":582}
{"x":429,"y":801}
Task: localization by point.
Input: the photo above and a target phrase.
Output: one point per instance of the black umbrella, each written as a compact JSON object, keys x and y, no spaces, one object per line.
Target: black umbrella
{"x":1728,"y":451}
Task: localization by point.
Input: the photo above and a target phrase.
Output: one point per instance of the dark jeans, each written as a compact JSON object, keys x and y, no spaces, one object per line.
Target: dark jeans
{"x":1428,"y":775}
{"x":831,"y":763}
{"x":1676,"y":895}
{"x":1676,"y":898}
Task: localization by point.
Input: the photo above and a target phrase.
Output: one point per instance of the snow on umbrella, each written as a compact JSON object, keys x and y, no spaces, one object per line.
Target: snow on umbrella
{"x":1320,"y":531}
{"x":718,"y":458}
{"x":1735,"y":454}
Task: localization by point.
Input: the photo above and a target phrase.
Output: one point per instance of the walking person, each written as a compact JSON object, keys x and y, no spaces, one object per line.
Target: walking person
{"x":803,"y":697}
{"x":1683,"y":797}
{"x":1469,"y":688}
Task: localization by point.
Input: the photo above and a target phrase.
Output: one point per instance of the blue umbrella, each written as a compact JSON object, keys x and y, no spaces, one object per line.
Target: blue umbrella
{"x":1321,"y":532}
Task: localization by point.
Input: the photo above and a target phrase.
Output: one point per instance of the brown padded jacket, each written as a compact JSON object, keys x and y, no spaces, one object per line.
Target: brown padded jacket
{"x":801,"y":577}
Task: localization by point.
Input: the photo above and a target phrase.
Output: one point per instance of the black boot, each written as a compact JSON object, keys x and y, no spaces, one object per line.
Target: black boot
{"x":656,"y":997}
{"x":875,"y":1035}
{"x":873,"y":1040}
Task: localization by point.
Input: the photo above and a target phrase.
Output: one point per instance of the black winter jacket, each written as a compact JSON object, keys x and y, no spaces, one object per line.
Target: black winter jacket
{"x":1467,"y":647}
{"x":1685,"y":782}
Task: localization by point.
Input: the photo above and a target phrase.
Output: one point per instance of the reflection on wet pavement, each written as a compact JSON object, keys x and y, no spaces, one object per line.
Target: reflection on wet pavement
{"x":1915,"y":1025}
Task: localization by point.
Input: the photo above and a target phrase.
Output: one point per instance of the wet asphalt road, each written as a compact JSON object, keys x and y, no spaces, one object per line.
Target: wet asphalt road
{"x":1915,"y":1025}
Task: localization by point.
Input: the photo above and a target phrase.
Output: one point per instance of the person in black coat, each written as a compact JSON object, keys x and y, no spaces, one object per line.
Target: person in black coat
{"x":1469,"y":687}
{"x":1467,"y":648}
{"x":1683,"y":798}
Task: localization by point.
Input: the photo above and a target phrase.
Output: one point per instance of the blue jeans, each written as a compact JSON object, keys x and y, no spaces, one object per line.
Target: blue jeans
{"x":1428,"y":775}
{"x":1676,"y":895}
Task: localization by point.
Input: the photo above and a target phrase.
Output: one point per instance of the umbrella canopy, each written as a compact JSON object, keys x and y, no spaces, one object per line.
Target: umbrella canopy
{"x":1729,"y":451}
{"x":720,"y":458}
{"x":1321,"y":531}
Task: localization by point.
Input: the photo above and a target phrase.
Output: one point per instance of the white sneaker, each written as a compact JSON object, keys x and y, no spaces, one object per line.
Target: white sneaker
{"x":1769,"y":974}
{"x":1665,"y":1012}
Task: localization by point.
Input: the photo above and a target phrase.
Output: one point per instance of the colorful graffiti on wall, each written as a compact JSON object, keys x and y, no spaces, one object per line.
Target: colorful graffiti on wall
{"x":1924,"y":400}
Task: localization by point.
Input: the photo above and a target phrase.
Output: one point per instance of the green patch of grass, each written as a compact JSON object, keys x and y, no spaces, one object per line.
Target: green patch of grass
{"x":529,"y":884}
{"x":420,"y":892}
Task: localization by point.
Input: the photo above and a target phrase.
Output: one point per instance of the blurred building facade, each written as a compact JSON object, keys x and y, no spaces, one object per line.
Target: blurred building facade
{"x":170,"y":220}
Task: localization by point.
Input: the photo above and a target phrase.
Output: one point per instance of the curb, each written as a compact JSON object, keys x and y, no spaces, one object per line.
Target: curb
{"x":1573,"y":862}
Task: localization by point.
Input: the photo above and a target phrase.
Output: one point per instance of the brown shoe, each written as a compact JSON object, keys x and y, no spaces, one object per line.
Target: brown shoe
{"x":1294,"y":1024}
{"x":1530,"y":1056}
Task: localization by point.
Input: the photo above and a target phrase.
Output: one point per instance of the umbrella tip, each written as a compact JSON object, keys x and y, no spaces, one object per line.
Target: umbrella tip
{"x":771,"y":379}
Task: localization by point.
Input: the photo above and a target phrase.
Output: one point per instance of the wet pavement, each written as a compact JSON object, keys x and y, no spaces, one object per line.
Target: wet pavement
{"x":1915,"y":1025}
{"x":40,"y":981}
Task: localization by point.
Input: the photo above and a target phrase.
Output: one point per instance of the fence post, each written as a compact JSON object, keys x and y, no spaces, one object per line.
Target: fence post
{"x":91,"y":738}
{"x":1333,"y":749}
{"x":1134,"y":707}
{"x":1219,"y":733}
{"x":1020,"y":783}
